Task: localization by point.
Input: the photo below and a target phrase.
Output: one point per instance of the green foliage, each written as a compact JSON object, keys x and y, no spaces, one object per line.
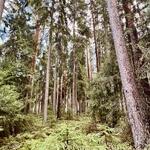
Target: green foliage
{"x":16,"y":124}
{"x":9,"y":103}
{"x":105,"y":92}
{"x":68,"y":135}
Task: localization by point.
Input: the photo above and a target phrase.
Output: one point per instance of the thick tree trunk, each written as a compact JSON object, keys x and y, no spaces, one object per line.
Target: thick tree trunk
{"x":133,"y":40}
{"x":134,"y":101}
{"x":132,"y":34}
{"x":2,"y":2}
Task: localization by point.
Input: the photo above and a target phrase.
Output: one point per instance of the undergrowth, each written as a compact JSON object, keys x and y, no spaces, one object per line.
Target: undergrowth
{"x":68,"y":135}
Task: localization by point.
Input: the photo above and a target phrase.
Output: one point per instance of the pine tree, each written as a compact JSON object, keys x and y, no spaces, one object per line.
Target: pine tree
{"x":133,"y":99}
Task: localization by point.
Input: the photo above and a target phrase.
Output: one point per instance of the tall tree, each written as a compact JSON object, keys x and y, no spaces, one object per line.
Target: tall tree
{"x":134,"y":101}
{"x":48,"y":64}
{"x":94,"y":14}
{"x":133,"y":40}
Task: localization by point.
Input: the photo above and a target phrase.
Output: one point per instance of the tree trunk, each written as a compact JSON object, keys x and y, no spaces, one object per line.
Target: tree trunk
{"x":2,"y":2}
{"x":74,"y":89}
{"x":48,"y":65}
{"x":88,"y":63}
{"x":132,"y":35}
{"x":54,"y":90}
{"x":47,"y":86}
{"x":33,"y":67}
{"x":133,"y":99}
{"x":57,"y":94}
{"x":133,"y":40}
{"x":59,"y":104}
{"x":74,"y":83}
{"x":94,"y":34}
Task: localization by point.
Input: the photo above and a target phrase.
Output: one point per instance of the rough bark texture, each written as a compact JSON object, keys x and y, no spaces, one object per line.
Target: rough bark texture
{"x":135,"y":108}
{"x":133,"y":41}
{"x":2,"y":2}
{"x":132,"y":33}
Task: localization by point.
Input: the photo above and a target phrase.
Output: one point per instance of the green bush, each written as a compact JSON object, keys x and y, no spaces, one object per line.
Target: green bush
{"x":11,"y":119}
{"x":14,"y":125}
{"x":105,"y":92}
{"x":9,"y":100}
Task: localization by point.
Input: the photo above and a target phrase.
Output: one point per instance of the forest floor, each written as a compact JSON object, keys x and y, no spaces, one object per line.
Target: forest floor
{"x":78,"y":134}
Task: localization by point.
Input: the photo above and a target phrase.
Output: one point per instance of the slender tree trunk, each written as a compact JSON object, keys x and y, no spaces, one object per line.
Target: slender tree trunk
{"x":57,"y":95}
{"x":94,"y":34}
{"x":59,"y":105}
{"x":88,"y":61}
{"x":134,"y":101}
{"x":74,"y":88}
{"x":47,"y":85}
{"x":55,"y":90}
{"x":74,"y":83}
{"x":36,"y":50}
{"x":2,"y":2}
{"x":48,"y":65}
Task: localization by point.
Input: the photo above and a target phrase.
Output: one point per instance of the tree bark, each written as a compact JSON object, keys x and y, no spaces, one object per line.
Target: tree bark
{"x":2,"y":2}
{"x":94,"y":34}
{"x":74,"y":83}
{"x":133,"y":40}
{"x":59,"y":104}
{"x":88,"y":63}
{"x":132,"y":33}
{"x":134,"y":101}
{"x":55,"y":90}
{"x":74,"y":87}
{"x":33,"y":67}
{"x":47,"y":85}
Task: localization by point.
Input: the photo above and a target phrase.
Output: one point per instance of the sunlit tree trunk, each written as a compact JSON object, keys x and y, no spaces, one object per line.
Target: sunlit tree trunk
{"x":133,"y":99}
{"x":2,"y":2}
